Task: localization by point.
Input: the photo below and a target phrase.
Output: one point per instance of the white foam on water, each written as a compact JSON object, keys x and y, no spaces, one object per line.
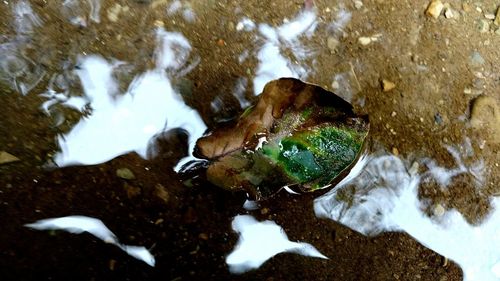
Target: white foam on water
{"x":260,"y":241}
{"x":385,"y":198}
{"x":80,"y":224}
{"x":272,"y":64}
{"x":122,"y":123}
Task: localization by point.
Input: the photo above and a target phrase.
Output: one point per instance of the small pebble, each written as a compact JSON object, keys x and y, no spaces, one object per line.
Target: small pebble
{"x":448,"y":13}
{"x":332,"y":44}
{"x":489,"y":16}
{"x":112,"y":264}
{"x":483,"y":26}
{"x":358,"y":4}
{"x":395,"y":151}
{"x":6,"y":157}
{"x":466,"y":7}
{"x":434,"y":9}
{"x":125,"y":173}
{"x":364,"y":40}
{"x":414,"y":169}
{"x":387,"y":85}
{"x":221,"y":42}
{"x":162,"y":193}
{"x":159,"y":23}
{"x":438,"y":210}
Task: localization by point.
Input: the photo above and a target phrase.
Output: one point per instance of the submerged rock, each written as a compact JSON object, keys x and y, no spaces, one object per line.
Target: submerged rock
{"x":297,"y":135}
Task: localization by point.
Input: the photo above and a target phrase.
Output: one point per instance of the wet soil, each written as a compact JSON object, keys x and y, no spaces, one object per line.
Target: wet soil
{"x":188,"y":227}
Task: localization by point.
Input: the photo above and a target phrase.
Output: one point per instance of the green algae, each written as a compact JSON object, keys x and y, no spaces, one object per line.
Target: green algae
{"x":318,"y":154}
{"x":296,"y":135}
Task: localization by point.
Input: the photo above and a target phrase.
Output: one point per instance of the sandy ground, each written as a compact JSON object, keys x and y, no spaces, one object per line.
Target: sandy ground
{"x":446,"y":85}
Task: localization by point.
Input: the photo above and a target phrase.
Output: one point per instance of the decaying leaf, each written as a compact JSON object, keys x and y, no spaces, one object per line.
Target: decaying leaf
{"x":297,"y":134}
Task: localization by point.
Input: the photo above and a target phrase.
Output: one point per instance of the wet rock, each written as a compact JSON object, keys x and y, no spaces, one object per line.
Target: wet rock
{"x":125,"y":173}
{"x":297,"y":135}
{"x":162,"y":193}
{"x":387,"y":85}
{"x":434,"y":9}
{"x":6,"y":157}
{"x":485,"y":115}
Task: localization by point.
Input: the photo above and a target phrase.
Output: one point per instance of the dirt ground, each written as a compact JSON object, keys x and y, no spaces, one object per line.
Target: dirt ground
{"x":444,"y":94}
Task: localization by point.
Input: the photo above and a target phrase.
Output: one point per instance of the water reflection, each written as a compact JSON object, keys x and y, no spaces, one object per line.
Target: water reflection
{"x":80,"y":224}
{"x":118,"y":123}
{"x":260,"y":241}
{"x":381,"y":194}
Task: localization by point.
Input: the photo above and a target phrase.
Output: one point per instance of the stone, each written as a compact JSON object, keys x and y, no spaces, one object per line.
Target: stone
{"x":438,"y":210}
{"x":332,"y":43}
{"x":162,"y":193}
{"x":6,"y":157}
{"x":125,"y":173}
{"x":387,"y":85}
{"x":489,"y":16}
{"x":358,"y":4}
{"x":434,"y":9}
{"x":485,"y":115}
{"x":483,"y":26}
{"x":466,"y":7}
{"x":364,"y":40}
